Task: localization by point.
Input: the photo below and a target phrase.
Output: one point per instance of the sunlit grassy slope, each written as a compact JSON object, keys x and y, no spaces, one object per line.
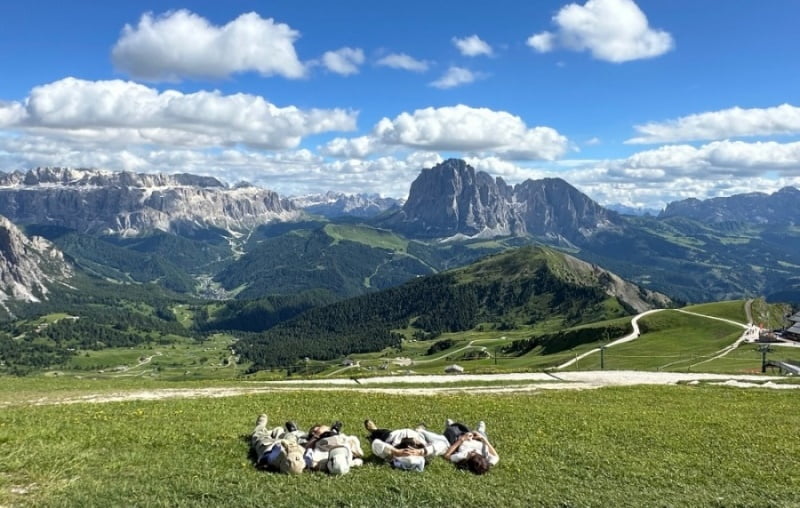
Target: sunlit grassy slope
{"x":647,"y":446}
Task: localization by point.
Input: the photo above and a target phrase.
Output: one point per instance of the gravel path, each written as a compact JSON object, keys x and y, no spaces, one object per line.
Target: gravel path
{"x":631,"y":336}
{"x":513,"y":383}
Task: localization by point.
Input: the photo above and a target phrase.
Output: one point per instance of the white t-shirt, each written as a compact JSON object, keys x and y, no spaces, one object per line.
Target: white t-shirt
{"x":384,"y":449}
{"x":473,"y":445}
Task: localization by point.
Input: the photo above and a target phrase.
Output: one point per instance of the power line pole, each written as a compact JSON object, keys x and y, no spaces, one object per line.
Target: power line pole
{"x":764,"y":349}
{"x":603,"y":349}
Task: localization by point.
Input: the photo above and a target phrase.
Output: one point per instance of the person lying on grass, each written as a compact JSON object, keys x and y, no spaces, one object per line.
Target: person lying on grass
{"x":469,"y":450}
{"x":406,"y":449}
{"x":328,"y":449}
{"x":334,"y":454}
{"x":290,"y":450}
{"x":277,"y":449}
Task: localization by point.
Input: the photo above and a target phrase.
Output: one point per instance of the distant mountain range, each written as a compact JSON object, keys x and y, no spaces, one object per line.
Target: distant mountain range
{"x":780,"y":207}
{"x":633,"y":210}
{"x":336,"y":204}
{"x":130,"y":204}
{"x":196,"y":235}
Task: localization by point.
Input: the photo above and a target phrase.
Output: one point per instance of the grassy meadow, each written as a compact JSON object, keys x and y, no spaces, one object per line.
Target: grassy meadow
{"x":641,"y":446}
{"x":671,"y":341}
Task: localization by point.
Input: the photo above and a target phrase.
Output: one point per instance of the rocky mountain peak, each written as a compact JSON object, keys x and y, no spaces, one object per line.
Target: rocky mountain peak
{"x":453,"y":199}
{"x":555,"y":209}
{"x":27,"y":265}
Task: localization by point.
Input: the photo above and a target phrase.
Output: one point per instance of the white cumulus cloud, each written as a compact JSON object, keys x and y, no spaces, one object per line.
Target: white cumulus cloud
{"x":729,"y":157}
{"x":467,"y":129}
{"x":542,"y":42}
{"x":455,"y":76}
{"x":11,"y":113}
{"x":611,"y":30}
{"x":726,"y":123}
{"x":181,"y":44}
{"x":472,"y":46}
{"x":653,"y":178}
{"x":344,"y":61}
{"x":351,"y":148}
{"x":404,"y":62}
{"x":127,"y":113}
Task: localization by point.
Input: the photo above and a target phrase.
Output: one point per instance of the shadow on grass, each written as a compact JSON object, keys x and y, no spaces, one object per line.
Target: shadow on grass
{"x":251,"y":452}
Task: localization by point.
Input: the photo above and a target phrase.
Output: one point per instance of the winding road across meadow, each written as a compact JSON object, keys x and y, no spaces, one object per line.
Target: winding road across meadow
{"x":750,"y":333}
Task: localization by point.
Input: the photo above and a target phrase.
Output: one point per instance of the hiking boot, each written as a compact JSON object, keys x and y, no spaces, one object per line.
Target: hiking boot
{"x":482,"y":427}
{"x":261,"y":421}
{"x":370,"y":425}
{"x":290,"y":426}
{"x":336,"y":427}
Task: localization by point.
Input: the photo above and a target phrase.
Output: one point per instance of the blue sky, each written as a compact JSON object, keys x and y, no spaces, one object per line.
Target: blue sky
{"x":635,"y":102}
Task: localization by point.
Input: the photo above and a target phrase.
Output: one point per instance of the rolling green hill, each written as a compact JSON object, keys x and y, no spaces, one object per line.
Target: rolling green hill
{"x":526,"y":286}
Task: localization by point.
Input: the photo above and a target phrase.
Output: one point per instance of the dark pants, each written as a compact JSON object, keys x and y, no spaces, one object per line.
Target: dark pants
{"x":452,"y":432}
{"x":379,"y":434}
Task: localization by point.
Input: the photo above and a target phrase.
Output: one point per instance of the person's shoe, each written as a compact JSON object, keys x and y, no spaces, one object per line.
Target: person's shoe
{"x":448,"y":422}
{"x":482,"y":427}
{"x":290,"y":426}
{"x":370,"y":425}
{"x":336,"y":427}
{"x":261,"y":421}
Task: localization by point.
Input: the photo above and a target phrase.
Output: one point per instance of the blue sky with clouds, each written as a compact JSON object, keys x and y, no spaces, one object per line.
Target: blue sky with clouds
{"x":637,"y":102}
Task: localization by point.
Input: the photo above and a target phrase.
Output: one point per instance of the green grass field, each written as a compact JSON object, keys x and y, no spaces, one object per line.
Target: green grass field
{"x":733,"y":310}
{"x":378,"y":238}
{"x":645,"y":446}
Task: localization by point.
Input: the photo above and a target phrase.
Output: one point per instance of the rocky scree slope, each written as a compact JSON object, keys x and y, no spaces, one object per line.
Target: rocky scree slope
{"x":28,"y":265}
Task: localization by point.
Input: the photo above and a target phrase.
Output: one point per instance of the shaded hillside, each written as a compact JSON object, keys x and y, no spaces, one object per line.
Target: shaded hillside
{"x":698,"y":262}
{"x":257,"y":315}
{"x":102,"y":258}
{"x":520,"y":286}
{"x":343,"y":260}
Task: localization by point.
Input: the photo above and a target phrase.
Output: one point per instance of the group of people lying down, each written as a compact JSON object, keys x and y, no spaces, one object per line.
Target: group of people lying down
{"x":326,"y":448}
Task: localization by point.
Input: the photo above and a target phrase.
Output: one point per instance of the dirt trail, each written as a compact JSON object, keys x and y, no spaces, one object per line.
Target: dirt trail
{"x":514,"y":383}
